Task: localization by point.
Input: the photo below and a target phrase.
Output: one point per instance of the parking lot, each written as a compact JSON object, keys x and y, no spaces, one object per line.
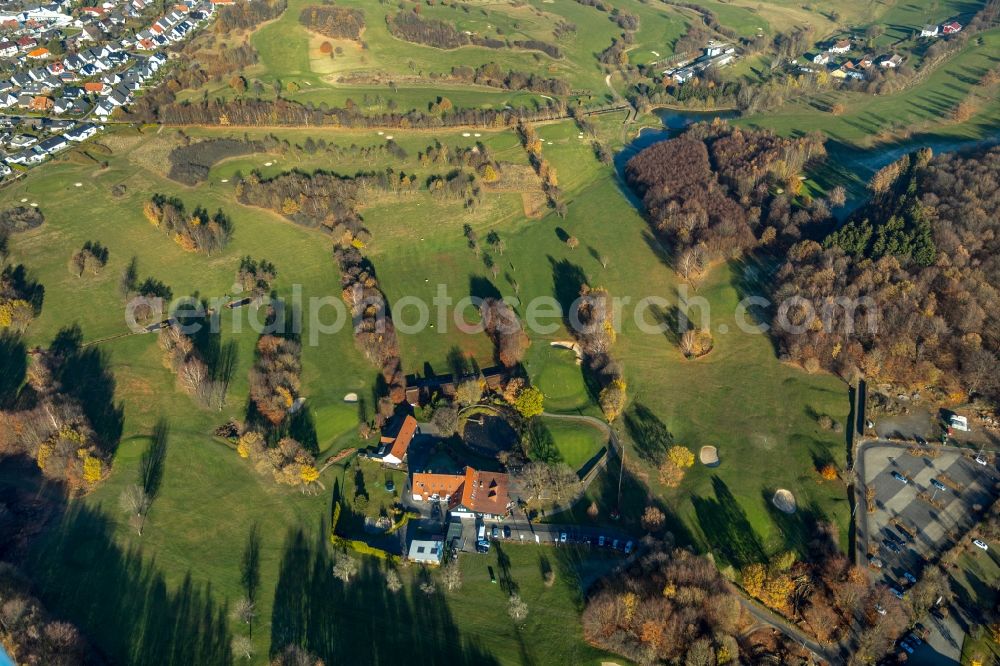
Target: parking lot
{"x":521,"y":531}
{"x":931,"y":519}
{"x":915,"y":518}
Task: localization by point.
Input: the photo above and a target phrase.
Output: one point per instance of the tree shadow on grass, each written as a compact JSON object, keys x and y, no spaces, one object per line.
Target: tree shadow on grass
{"x":361,"y":622}
{"x":726,"y":526}
{"x":13,"y":368}
{"x":115,"y":595}
{"x":85,"y":374}
{"x":798,"y":530}
{"x":480,"y":287}
{"x":650,"y":434}
{"x":567,"y":280}
{"x":153,"y":460}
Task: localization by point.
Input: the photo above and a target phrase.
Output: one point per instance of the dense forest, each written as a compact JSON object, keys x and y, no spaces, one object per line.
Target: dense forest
{"x":190,"y":163}
{"x":29,"y":633}
{"x":250,"y":14}
{"x":720,"y":191}
{"x":920,"y":267}
{"x":332,"y":21}
{"x":411,"y":27}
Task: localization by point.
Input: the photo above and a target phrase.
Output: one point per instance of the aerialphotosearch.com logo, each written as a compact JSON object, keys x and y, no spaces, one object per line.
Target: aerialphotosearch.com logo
{"x":319,"y":316}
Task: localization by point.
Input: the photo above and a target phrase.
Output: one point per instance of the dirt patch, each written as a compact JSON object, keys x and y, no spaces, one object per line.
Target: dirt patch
{"x":534,"y":204}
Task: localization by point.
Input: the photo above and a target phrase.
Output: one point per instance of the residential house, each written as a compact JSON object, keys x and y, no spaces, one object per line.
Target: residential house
{"x":119,"y":97}
{"x":73,"y":63}
{"x":40,"y":53}
{"x":73,"y":92}
{"x":56,"y":68}
{"x":23,"y":141}
{"x":821,"y":58}
{"x":38,"y":74}
{"x":53,"y":145}
{"x":20,"y":79}
{"x":96,"y":87}
{"x":81,"y":132}
{"x":7,"y":100}
{"x":841,"y":46}
{"x":483,"y":494}
{"x":929,"y":31}
{"x":26,"y":43}
{"x":891,"y":62}
{"x":8,"y":49}
{"x":104,"y":109}
{"x":865,"y":61}
{"x":90,"y":33}
{"x":952,"y":28}
{"x":426,"y":551}
{"x":392,"y":448}
{"x":5,"y":170}
{"x":24,"y":100}
{"x":430,"y":487}
{"x":41,"y":103}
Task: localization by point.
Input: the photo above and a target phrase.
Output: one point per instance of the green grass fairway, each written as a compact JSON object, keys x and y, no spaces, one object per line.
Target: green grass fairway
{"x":577,"y":443}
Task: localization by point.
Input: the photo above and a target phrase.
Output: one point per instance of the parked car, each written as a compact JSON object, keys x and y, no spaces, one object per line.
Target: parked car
{"x":628,"y":547}
{"x":562,"y":538}
{"x":506,"y":531}
{"x":891,"y":546}
{"x":906,"y":646}
{"x":879,"y":609}
{"x":600,"y":541}
{"x":959,"y":423}
{"x":981,"y":459}
{"x":495,"y":532}
{"x":896,"y":592}
{"x":937,"y":484}
{"x":904,"y":534}
{"x":915,"y":640}
{"x":614,"y":544}
{"x":910,"y":577}
{"x":482,"y":546}
{"x":980,"y":544}
{"x":899,"y":477}
{"x":875,"y":562}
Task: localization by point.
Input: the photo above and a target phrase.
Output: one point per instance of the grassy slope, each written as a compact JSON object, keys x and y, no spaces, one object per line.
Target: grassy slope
{"x":921,"y":108}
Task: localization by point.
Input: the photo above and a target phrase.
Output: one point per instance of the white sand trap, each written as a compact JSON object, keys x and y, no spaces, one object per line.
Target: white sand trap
{"x":784,"y":500}
{"x":388,"y":138}
{"x":477,"y":134}
{"x":24,"y":201}
{"x":34,"y":205}
{"x":77,"y":184}
{"x":351,"y":397}
{"x":466,"y":134}
{"x":224,"y":180}
{"x":709,"y":456}
{"x":549,"y":142}
{"x":268,"y":163}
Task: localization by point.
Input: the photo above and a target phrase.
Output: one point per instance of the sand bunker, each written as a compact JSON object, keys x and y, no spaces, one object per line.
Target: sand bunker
{"x":709,"y":456}
{"x":784,"y":500}
{"x":351,"y":397}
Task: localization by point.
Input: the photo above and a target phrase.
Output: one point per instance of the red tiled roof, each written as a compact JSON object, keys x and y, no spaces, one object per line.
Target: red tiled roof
{"x":442,"y":485}
{"x":485,"y":492}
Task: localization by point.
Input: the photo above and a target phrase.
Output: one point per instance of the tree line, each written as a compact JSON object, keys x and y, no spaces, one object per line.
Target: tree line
{"x":491,"y":74}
